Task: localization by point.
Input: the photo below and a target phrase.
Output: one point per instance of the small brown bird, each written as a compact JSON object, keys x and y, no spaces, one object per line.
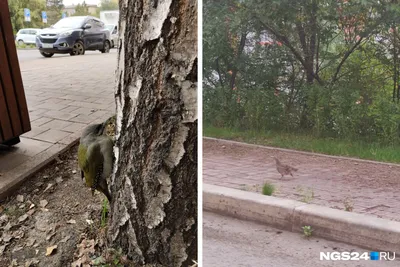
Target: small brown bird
{"x":284,"y":169}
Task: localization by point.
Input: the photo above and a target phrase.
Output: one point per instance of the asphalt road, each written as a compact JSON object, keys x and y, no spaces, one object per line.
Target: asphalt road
{"x":25,"y":55}
{"x":229,"y":242}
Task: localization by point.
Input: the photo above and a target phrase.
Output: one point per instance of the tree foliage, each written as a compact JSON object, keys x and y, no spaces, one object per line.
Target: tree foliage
{"x":81,"y":9}
{"x":54,"y":10}
{"x":17,"y":13}
{"x":325,"y":67}
{"x":107,"y":5}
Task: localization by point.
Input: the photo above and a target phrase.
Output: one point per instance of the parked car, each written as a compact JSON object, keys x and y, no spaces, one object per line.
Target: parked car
{"x":114,"y":34}
{"x":74,"y":35}
{"x":26,"y":36}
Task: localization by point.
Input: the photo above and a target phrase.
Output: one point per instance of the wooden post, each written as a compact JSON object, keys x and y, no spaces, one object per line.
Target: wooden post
{"x":14,"y":116}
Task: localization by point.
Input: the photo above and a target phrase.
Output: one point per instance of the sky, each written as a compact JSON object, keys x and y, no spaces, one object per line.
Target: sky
{"x":75,"y":2}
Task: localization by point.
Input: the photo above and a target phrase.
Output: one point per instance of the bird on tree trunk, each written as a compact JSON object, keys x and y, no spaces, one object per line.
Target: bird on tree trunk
{"x":284,"y":169}
{"x":95,"y":157}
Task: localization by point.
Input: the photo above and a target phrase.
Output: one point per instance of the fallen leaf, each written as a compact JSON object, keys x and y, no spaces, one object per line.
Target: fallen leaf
{"x":48,"y":187}
{"x":31,"y":262}
{"x":8,"y":226}
{"x":30,"y":212}
{"x":74,"y":172}
{"x":23,"y":218}
{"x":1,"y":209}
{"x":20,"y":198}
{"x":72,"y":221}
{"x":43,"y":203}
{"x":22,"y":206}
{"x":58,"y":160}
{"x":17,"y":248}
{"x":4,"y":218}
{"x":51,"y":250}
{"x":36,"y":251}
{"x":50,"y":236}
{"x":7,"y":237}
{"x":59,"y":180}
{"x":30,"y":242}
{"x":31,"y":206}
{"x":65,"y":239}
{"x":90,"y":222}
{"x":2,"y":248}
{"x":18,"y":234}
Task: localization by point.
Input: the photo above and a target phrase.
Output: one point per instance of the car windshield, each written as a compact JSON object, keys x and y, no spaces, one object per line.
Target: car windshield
{"x":110,"y":27}
{"x":70,"y":22}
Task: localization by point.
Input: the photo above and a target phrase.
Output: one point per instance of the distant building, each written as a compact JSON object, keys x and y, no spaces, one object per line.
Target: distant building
{"x":70,"y":10}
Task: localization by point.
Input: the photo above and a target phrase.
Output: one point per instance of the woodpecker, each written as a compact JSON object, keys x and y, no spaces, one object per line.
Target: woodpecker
{"x":95,"y":158}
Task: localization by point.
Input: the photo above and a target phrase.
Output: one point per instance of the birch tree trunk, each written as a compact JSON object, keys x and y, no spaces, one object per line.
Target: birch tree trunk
{"x":154,"y":184}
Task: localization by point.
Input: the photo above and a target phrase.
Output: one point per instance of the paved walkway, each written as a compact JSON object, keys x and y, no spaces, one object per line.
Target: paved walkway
{"x":370,"y":188}
{"x":64,"y":94}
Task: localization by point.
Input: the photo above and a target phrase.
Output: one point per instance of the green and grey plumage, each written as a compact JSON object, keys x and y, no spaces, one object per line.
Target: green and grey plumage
{"x":95,"y":158}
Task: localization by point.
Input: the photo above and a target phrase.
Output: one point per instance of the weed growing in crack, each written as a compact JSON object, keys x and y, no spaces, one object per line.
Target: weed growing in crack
{"x":307,"y":231}
{"x":268,"y":189}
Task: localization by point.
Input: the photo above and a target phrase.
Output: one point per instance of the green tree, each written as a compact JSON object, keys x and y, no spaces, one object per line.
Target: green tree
{"x":322,"y":67}
{"x":17,"y":13}
{"x":54,"y":10}
{"x":81,"y":10}
{"x":107,"y":5}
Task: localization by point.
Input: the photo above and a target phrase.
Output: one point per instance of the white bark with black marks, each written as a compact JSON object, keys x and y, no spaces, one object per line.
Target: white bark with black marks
{"x":154,"y":184}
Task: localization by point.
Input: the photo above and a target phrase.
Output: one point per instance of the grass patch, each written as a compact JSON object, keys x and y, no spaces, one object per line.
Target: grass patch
{"x":104,"y":213}
{"x":329,"y":146}
{"x":25,"y":45}
{"x":268,"y":189}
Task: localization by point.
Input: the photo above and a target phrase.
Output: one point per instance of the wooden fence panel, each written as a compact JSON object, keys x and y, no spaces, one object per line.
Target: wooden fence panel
{"x":14,"y":116}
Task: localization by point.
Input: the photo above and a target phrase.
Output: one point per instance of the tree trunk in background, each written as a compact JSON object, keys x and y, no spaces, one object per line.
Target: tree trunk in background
{"x":154,"y":185}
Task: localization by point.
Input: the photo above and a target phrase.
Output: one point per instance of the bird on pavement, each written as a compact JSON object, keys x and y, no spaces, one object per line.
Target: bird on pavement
{"x":284,"y":169}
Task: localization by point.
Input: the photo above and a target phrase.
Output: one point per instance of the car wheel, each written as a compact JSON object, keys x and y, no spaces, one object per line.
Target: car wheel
{"x":20,"y":42}
{"x":12,"y":142}
{"x":106,"y":47}
{"x":112,"y":44}
{"x":78,"y":49}
{"x":45,"y":54}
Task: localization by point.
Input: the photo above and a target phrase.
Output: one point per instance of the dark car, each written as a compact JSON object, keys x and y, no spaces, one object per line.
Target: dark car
{"x":74,"y":35}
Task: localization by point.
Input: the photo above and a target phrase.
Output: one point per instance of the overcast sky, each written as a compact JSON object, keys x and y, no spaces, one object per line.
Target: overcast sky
{"x":75,"y":2}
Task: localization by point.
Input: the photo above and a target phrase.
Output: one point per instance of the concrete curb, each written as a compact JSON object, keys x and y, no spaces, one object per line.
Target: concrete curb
{"x":301,"y":152}
{"x":353,"y":228}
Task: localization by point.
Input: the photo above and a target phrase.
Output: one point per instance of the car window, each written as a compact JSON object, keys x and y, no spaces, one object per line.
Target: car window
{"x":32,"y":32}
{"x":23,"y":32}
{"x":98,"y":24}
{"x":70,"y":22}
{"x":91,"y":23}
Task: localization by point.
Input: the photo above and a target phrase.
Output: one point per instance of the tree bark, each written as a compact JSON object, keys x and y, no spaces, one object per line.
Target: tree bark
{"x":154,"y":184}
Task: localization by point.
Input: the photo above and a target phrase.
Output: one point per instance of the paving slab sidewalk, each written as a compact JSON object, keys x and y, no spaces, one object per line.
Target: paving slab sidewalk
{"x":64,"y":95}
{"x":369,"y":188}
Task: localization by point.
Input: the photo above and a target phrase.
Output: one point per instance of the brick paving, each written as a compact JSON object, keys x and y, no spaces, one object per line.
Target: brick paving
{"x":64,"y":94}
{"x":371,"y":188}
